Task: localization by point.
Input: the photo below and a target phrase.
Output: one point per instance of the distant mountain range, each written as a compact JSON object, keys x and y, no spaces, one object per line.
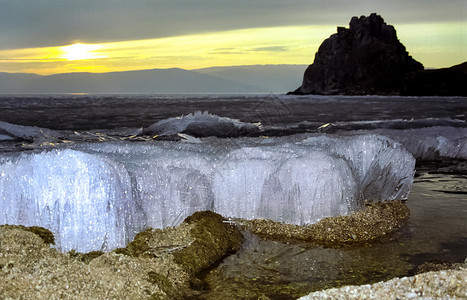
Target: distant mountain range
{"x":236,"y":79}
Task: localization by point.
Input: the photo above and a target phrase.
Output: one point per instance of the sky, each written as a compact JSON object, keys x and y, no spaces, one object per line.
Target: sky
{"x":60,"y":36}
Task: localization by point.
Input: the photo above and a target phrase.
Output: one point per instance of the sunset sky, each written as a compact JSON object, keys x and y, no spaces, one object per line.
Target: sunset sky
{"x":59,"y":36}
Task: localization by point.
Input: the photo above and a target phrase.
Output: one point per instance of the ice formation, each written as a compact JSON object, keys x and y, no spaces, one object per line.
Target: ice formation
{"x":97,"y":196}
{"x":202,"y":124}
{"x":432,"y":142}
{"x":84,"y":199}
{"x":285,"y":184}
{"x":12,"y":131}
{"x":381,"y":166}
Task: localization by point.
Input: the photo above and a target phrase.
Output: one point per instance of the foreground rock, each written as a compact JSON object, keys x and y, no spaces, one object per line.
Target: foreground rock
{"x":366,"y":58}
{"x":377,"y":220}
{"x":165,"y":264}
{"x":445,"y":284}
{"x":158,"y":264}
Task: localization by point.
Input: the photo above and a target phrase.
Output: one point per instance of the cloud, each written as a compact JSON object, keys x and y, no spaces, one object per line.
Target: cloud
{"x":26,"y":23}
{"x":244,"y":50}
{"x":271,"y":49}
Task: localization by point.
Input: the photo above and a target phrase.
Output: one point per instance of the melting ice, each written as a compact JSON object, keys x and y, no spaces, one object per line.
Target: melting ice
{"x":98,"y":196}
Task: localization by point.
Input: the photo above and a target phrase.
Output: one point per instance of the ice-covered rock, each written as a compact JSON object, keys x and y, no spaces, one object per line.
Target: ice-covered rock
{"x":98,"y":195}
{"x":202,"y":124}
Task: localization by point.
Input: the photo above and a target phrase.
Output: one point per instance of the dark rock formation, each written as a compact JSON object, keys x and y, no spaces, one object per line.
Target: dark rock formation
{"x":439,"y":82}
{"x":366,"y":58}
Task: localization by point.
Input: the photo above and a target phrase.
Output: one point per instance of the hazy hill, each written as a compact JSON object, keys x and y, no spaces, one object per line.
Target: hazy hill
{"x":246,"y":79}
{"x":16,"y":81}
{"x":265,"y":78}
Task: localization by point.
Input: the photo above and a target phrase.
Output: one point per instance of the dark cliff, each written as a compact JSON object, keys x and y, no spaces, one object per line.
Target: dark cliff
{"x":438,"y":82}
{"x":366,"y":58}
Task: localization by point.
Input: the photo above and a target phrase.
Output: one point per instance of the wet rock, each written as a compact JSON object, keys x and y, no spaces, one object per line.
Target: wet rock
{"x":431,"y":267}
{"x":158,"y":264}
{"x":45,"y":234}
{"x":213,"y":239}
{"x":375,"y":221}
{"x":85,"y":257}
{"x":201,"y":240}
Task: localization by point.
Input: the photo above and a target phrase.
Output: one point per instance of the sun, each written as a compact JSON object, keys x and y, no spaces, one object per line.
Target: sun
{"x":80,"y":51}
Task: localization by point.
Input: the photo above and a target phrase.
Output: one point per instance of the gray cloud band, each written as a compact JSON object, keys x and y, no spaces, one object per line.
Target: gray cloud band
{"x":40,"y":23}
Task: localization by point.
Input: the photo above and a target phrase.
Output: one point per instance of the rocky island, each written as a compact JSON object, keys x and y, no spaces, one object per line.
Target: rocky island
{"x":368,"y":59}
